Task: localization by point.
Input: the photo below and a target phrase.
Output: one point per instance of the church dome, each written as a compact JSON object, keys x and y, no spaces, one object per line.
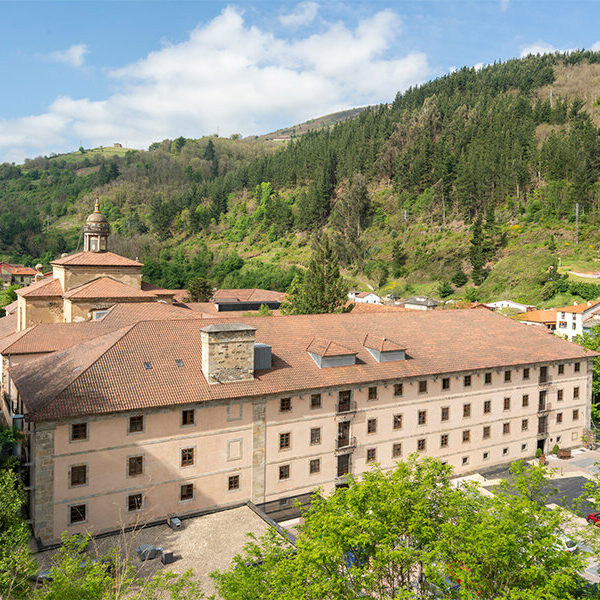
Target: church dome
{"x":97,"y":222}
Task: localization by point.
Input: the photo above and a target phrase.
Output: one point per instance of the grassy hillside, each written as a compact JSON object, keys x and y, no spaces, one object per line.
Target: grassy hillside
{"x":470,"y":180}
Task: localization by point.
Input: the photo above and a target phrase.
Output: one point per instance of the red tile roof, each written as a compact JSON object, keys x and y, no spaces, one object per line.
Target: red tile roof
{"x":109,"y":288}
{"x":121,"y":315}
{"x":97,"y":259}
{"x":247,"y":295}
{"x":23,"y":271}
{"x":8,"y":324}
{"x":547,"y":316}
{"x":107,"y":374}
{"x":323,"y":347}
{"x":381,"y":343}
{"x":579,"y":308}
{"x":150,"y":287}
{"x":46,"y":288}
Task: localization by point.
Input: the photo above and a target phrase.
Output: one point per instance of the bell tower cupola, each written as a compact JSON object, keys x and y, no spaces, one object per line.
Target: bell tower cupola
{"x":96,"y":231}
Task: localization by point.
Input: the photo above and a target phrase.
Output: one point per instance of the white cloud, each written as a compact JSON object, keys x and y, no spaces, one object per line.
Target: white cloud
{"x":74,"y":55}
{"x":478,"y":66}
{"x":304,"y":14}
{"x":228,"y":76}
{"x":596,"y":46}
{"x":452,"y":69}
{"x":541,"y":47}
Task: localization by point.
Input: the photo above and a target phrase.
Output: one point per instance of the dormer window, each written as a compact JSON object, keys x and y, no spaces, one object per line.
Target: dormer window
{"x":383,"y":349}
{"x":329,"y":353}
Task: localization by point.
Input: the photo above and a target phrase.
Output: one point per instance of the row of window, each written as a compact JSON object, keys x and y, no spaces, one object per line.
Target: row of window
{"x":135,"y":502}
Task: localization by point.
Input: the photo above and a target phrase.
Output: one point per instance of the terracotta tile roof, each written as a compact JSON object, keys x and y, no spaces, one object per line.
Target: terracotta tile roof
{"x":363,"y":307}
{"x":324,"y":347}
{"x":109,"y":288}
{"x":250,"y":295}
{"x":110,"y":375}
{"x":579,"y":308}
{"x":50,"y":337}
{"x":46,"y":288}
{"x":9,"y":309}
{"x":97,"y":259}
{"x":539,"y":316}
{"x":364,"y":294}
{"x":23,"y":271}
{"x":381,"y":343}
{"x":121,"y":315}
{"x":209,"y":310}
{"x":150,"y":287}
{"x":8,"y":324}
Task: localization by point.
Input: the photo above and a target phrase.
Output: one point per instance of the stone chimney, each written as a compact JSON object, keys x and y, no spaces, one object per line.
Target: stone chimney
{"x":227,"y":352}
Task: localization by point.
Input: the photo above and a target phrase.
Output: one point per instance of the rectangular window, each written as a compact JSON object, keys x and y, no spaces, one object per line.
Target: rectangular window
{"x":398,"y":389}
{"x":466,"y":410}
{"x":467,"y":381}
{"x":526,"y":373}
{"x":559,"y":417}
{"x":561,"y":369}
{"x":187,"y":457}
{"x":136,"y":424}
{"x":421,"y":445}
{"x":315,"y":436}
{"x":135,"y":466}
{"x":134,"y":502}
{"x":487,"y":407}
{"x":372,"y":426}
{"x":79,"y":431}
{"x":577,"y":367}
{"x":559,"y":395}
{"x":233,"y":482}
{"x":284,"y":472}
{"x":506,"y":428}
{"x":397,"y":450}
{"x":444,"y":440}
{"x":576,"y":392}
{"x":446,"y":383}
{"x":371,"y":454}
{"x":285,"y":404}
{"x":466,"y":435}
{"x":314,"y":466}
{"x":315,"y":401}
{"x":187,"y":416}
{"x":422,"y":418}
{"x":486,"y":432}
{"x":507,"y":376}
{"x":487,"y":378}
{"x":78,"y":475}
{"x":506,"y":403}
{"x":445,"y":413}
{"x":422,"y":387}
{"x":186,"y":491}
{"x":373,"y":393}
{"x":525,"y":400}
{"x":397,"y":421}
{"x":575,"y":414}
{"x":77,"y":513}
{"x":284,"y":440}
{"x":543,"y":374}
{"x":524,"y":424}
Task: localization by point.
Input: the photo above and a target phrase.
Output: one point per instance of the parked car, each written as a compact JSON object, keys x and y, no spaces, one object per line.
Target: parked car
{"x":564,"y":542}
{"x":594,"y":518}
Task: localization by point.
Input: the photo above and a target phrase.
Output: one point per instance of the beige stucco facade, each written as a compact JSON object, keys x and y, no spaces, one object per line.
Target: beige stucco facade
{"x":73,"y":276}
{"x":243,"y":438}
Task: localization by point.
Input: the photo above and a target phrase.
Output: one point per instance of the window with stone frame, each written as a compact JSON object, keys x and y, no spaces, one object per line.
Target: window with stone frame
{"x":466,"y":410}
{"x":486,"y":432}
{"x":188,"y":416}
{"x":397,"y":450}
{"x":525,"y":400}
{"x":445,"y":383}
{"x":421,"y":445}
{"x":371,"y":454}
{"x":397,"y":423}
{"x":314,"y":466}
{"x":576,"y":392}
{"x":135,"y":466}
{"x":559,"y":417}
{"x":186,"y":491}
{"x":422,"y":417}
{"x":77,"y":513}
{"x":505,"y":428}
{"x":372,"y":426}
{"x":284,"y":471}
{"x":315,"y":401}
{"x":373,"y":393}
{"x":467,"y":381}
{"x":79,"y":431}
{"x":445,"y":413}
{"x":487,"y":407}
{"x":422,"y":387}
{"x":506,"y":403}
{"x":285,"y":405}
{"x":444,"y":440}
{"x":136,"y":424}
{"x":398,"y":389}
{"x":285,"y":440}
{"x":524,"y":424}
{"x":135,"y":502}
{"x":575,"y":414}
{"x":507,"y":376}
{"x":315,"y":436}
{"x":487,"y":378}
{"x":78,"y":475}
{"x":233,"y":482}
{"x":187,"y":457}
{"x":466,"y":436}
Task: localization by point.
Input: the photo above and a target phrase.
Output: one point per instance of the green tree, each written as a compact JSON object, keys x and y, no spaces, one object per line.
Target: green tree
{"x":398,"y":258}
{"x":444,"y":289}
{"x":9,"y":294}
{"x":459,"y":278}
{"x":199,"y":289}
{"x":476,"y":252}
{"x":323,"y":289}
{"x":591,"y":340}
{"x":16,"y":563}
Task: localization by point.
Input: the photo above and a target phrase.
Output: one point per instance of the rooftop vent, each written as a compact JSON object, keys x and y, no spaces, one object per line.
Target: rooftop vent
{"x":328,"y":353}
{"x":262,"y":356}
{"x":383,"y":349}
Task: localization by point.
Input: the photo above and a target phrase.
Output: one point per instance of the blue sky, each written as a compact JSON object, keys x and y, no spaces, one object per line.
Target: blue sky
{"x":94,"y":73}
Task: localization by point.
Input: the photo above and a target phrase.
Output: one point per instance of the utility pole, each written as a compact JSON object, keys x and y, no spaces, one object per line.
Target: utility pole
{"x":577,"y":222}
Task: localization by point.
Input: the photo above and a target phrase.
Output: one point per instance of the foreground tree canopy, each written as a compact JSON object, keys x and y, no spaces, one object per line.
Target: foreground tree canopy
{"x":411,"y":534}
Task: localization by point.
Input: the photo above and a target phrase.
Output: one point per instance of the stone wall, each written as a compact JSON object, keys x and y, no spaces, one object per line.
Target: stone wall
{"x":228,"y":352}
{"x":42,"y":501}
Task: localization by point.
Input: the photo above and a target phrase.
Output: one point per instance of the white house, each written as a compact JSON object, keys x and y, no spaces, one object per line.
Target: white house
{"x":570,"y":319}
{"x":364,"y":297}
{"x":420,"y":303}
{"x":518,"y":306}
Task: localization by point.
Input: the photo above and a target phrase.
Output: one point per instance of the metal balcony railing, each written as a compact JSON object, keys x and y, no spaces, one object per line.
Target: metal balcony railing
{"x":346,"y":443}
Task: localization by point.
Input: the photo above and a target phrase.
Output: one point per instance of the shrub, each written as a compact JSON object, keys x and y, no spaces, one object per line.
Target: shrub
{"x":459,"y":278}
{"x":538,"y":452}
{"x":555,"y":449}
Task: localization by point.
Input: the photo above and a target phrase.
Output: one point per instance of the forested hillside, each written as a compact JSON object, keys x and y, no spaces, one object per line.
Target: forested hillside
{"x":467,"y":185}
